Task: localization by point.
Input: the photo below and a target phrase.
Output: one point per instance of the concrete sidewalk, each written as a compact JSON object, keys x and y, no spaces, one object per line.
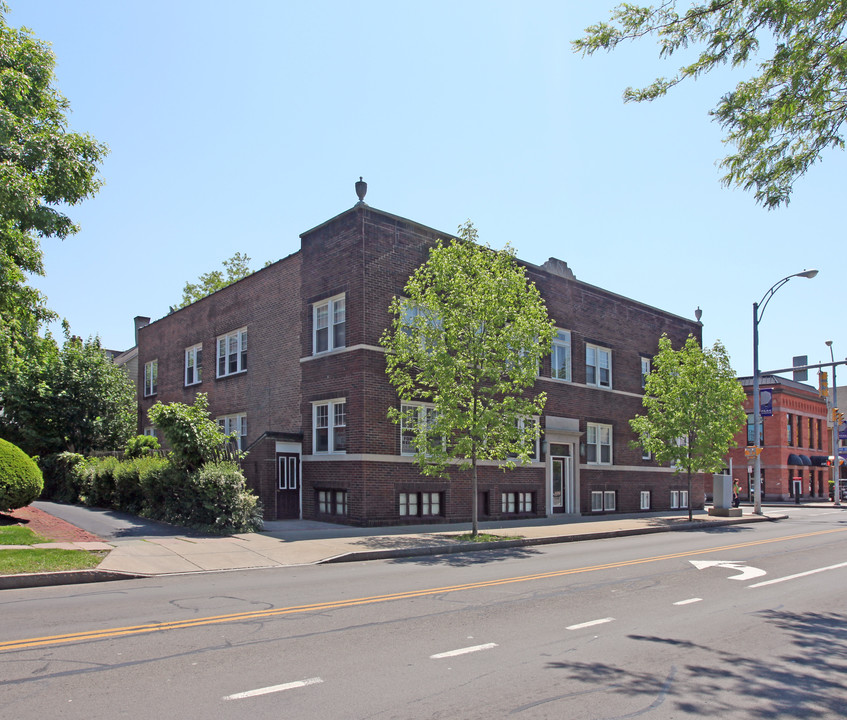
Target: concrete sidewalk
{"x":304,"y":542}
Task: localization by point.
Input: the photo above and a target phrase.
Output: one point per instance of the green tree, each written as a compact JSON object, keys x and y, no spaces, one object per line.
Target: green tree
{"x":468,"y":339}
{"x":194,"y":438}
{"x":70,"y":399}
{"x":783,"y":118}
{"x":43,"y":169}
{"x":237,"y":267}
{"x":694,"y":408}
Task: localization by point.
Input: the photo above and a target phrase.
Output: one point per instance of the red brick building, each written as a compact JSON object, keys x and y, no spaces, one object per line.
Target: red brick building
{"x":308,"y":393}
{"x":795,"y":439}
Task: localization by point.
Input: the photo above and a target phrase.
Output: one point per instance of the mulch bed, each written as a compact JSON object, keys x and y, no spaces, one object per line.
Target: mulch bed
{"x":47,"y":525}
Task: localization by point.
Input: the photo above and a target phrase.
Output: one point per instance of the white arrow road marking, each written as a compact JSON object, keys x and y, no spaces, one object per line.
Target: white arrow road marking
{"x":273,"y":689}
{"x":463,"y":651}
{"x":747,"y":572}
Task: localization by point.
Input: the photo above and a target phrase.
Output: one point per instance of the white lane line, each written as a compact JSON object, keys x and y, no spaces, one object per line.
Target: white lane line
{"x":589,"y":624}
{"x":273,"y":689}
{"x":798,"y":575}
{"x":689,"y":601}
{"x":463,"y":651}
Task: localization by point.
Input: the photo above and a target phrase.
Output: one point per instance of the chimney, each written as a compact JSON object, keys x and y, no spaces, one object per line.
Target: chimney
{"x":140,"y":322}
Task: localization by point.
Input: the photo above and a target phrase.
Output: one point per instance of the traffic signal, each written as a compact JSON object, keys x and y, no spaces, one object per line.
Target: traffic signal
{"x":823,"y":384}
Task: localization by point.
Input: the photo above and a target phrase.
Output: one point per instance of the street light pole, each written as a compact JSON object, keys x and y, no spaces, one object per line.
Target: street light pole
{"x":758,"y":312}
{"x":836,"y":471}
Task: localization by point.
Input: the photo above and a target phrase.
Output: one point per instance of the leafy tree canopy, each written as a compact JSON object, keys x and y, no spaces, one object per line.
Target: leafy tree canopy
{"x":467,"y":339}
{"x":783,"y":118}
{"x":43,"y":169}
{"x":694,"y":408}
{"x":193,"y":436}
{"x":70,"y":399}
{"x":237,"y":267}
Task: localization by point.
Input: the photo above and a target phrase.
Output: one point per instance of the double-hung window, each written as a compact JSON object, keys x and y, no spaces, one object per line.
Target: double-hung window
{"x":560,"y":358}
{"x":415,"y":416}
{"x":598,"y":445}
{"x":598,"y":366}
{"x":329,"y":322}
{"x":235,"y":425}
{"x":194,"y":364}
{"x":529,"y":432}
{"x":329,"y":426}
{"x":151,"y":377}
{"x":645,"y":371}
{"x":232,"y":353}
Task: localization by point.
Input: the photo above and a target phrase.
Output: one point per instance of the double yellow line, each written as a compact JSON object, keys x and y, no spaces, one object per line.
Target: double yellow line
{"x":332,"y":605}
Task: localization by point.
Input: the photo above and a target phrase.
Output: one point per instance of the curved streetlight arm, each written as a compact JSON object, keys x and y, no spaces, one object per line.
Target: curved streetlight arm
{"x":766,"y":298}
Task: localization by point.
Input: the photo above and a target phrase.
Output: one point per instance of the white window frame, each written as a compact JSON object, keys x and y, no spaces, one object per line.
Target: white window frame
{"x":235,"y":423}
{"x":520,"y":502}
{"x":603,"y":500}
{"x":594,"y":355}
{"x":329,"y":316}
{"x":645,"y":500}
{"x":194,"y":362}
{"x":332,"y":421}
{"x":679,"y":499}
{"x":645,"y":371}
{"x":594,"y":438}
{"x":425,"y":414}
{"x":521,"y":425}
{"x":561,"y":345}
{"x":229,"y":347}
{"x":151,"y":377}
{"x":333,"y":502}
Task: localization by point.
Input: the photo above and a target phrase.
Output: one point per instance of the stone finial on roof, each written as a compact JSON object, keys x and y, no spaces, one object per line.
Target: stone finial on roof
{"x":361,"y":190}
{"x":559,"y":267}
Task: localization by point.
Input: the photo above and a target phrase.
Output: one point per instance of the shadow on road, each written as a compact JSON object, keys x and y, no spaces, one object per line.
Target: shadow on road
{"x":806,"y":680}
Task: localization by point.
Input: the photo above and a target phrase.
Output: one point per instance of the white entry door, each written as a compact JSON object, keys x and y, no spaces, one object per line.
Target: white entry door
{"x":561,"y":478}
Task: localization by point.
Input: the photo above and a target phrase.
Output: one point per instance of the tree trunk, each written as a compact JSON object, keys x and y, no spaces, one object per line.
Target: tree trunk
{"x":690,"y":498}
{"x":474,"y":501}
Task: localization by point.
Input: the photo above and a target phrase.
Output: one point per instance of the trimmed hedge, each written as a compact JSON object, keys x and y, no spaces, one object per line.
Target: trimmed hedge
{"x":213,"y":498}
{"x":21,"y":481}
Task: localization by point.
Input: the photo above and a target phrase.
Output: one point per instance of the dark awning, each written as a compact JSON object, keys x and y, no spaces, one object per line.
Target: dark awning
{"x":805,"y":459}
{"x":818,"y":460}
{"x":794,"y":460}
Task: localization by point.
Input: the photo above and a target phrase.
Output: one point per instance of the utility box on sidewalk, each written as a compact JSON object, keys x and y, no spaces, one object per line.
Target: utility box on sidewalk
{"x":722,"y":493}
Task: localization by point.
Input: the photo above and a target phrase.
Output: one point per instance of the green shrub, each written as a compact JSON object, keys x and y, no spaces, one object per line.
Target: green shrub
{"x":220,"y":502}
{"x":62,"y":476}
{"x":21,"y":481}
{"x":99,"y":481}
{"x":129,"y":487}
{"x":141,"y":446}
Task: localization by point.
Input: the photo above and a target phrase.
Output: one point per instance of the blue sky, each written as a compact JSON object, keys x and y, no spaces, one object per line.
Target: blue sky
{"x":238,"y":126}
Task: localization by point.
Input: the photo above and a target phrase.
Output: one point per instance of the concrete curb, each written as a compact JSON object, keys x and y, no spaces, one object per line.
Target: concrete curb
{"x":63,"y":577}
{"x":72,"y":577}
{"x":365,"y":555}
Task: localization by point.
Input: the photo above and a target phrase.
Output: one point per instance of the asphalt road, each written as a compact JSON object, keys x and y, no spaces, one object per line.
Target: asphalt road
{"x":740,"y":622}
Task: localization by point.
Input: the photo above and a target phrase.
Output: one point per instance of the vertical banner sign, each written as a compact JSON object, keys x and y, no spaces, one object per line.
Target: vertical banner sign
{"x":766,"y":403}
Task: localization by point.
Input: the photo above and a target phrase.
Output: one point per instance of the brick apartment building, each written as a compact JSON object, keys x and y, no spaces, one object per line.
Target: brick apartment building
{"x":796,"y":441}
{"x":290,"y":360}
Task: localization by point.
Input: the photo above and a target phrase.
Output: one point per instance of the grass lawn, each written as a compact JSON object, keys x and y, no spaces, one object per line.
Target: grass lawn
{"x":17,"y":535}
{"x":36,"y":560}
